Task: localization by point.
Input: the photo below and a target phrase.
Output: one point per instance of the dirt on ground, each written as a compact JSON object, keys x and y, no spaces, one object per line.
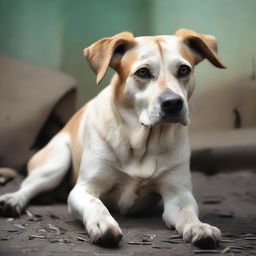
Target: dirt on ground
{"x":226,"y":200}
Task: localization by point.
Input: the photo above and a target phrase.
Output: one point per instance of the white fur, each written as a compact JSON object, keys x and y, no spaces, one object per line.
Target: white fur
{"x":125,"y":161}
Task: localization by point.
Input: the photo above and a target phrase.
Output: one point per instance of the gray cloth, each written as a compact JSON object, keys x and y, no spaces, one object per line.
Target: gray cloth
{"x":35,"y":102}
{"x":223,"y":127}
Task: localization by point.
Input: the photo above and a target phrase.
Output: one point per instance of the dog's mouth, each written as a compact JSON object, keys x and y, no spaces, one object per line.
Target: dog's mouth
{"x":175,"y":119}
{"x":168,"y":119}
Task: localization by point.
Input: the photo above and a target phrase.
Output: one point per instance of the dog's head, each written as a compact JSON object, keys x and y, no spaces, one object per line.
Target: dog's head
{"x":154,"y":74}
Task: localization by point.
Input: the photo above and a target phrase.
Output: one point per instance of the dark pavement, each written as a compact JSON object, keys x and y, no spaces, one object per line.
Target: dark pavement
{"x":226,"y":200}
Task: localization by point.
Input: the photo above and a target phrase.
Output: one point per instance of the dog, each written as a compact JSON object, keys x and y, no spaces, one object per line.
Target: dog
{"x":130,"y":141}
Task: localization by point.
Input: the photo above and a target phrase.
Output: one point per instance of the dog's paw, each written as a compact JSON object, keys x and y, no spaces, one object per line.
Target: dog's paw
{"x":105,"y":232}
{"x":11,"y":205}
{"x":202,"y":235}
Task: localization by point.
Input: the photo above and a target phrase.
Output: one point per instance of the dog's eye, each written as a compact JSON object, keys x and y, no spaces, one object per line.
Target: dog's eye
{"x":143,"y":73}
{"x":183,"y":71}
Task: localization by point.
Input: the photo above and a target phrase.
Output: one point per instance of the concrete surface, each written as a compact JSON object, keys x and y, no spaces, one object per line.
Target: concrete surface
{"x":225,"y":200}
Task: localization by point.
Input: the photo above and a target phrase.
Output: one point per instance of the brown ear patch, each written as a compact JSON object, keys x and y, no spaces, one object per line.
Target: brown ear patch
{"x":39,"y":158}
{"x":188,"y":54}
{"x":202,"y":46}
{"x":123,"y":71}
{"x":99,"y":55}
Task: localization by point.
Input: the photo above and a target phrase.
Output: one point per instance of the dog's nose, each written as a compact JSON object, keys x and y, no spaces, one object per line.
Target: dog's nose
{"x":171,"y":103}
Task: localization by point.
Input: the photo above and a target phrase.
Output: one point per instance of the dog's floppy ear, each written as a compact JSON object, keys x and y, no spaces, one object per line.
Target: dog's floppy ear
{"x":202,"y":46}
{"x":106,"y":51}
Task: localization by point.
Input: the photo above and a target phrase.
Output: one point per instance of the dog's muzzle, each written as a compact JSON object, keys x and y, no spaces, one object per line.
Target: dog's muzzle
{"x":172,"y":108}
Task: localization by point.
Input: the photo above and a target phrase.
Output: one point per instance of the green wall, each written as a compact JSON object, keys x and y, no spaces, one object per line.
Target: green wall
{"x":53,"y":33}
{"x":32,"y":31}
{"x":232,"y":22}
{"x":87,"y":21}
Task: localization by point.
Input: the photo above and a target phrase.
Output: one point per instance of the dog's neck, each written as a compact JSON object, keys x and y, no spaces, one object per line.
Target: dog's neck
{"x":139,"y":137}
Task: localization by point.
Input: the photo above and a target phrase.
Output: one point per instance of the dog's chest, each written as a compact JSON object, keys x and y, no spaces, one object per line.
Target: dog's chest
{"x":130,"y":195}
{"x":145,"y":157}
{"x":141,"y":168}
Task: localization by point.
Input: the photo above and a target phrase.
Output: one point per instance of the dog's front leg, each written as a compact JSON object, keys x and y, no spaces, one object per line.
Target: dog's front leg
{"x":85,"y":204}
{"x":181,"y":212}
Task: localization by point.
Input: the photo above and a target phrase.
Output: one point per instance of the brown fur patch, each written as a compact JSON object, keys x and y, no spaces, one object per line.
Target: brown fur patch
{"x":206,"y":45}
{"x":161,"y":82}
{"x":39,"y":158}
{"x":100,"y":53}
{"x":158,"y":42}
{"x":187,"y":54}
{"x":76,"y":150}
{"x":123,"y":71}
{"x":119,"y":89}
{"x":72,"y":128}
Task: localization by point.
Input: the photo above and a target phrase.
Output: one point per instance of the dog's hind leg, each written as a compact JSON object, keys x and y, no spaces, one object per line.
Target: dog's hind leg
{"x":46,"y":170}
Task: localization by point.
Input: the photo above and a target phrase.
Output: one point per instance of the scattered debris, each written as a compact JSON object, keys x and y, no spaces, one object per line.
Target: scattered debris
{"x":213,"y":200}
{"x":148,"y":238}
{"x":206,"y":251}
{"x":53,"y":216}
{"x":175,"y":236}
{"x":42,"y":230}
{"x":29,"y":214}
{"x":19,"y":226}
{"x":241,"y":247}
{"x":27,"y":250}
{"x":225,"y":250}
{"x":227,"y":241}
{"x":226,"y":215}
{"x":54,"y":228}
{"x":64,"y":241}
{"x":35,"y":236}
{"x":234,"y":250}
{"x":33,"y":217}
{"x":228,"y":235}
{"x":172,"y":241}
{"x":139,"y":243}
{"x":250,"y":238}
{"x":80,"y":238}
{"x":152,"y":237}
{"x":246,"y":235}
{"x":160,"y":246}
{"x":11,"y":230}
{"x":38,"y":216}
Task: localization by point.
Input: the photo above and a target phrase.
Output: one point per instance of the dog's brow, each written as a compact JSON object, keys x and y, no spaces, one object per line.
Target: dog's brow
{"x":145,"y":56}
{"x":158,"y":42}
{"x":180,"y":61}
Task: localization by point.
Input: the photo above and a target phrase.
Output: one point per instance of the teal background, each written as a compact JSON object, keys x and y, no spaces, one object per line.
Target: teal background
{"x":53,"y":33}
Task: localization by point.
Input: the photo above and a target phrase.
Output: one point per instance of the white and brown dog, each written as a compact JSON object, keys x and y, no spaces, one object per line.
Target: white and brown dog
{"x":129,"y":141}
